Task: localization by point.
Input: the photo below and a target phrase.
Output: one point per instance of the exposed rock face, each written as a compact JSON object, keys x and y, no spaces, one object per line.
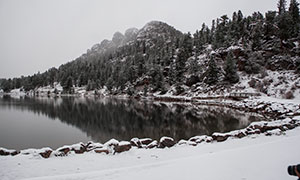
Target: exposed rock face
{"x":118,"y":39}
{"x":130,"y":34}
{"x":166,"y":142}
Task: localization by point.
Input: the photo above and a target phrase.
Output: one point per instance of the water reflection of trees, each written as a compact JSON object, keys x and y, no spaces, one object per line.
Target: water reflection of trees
{"x":103,"y":119}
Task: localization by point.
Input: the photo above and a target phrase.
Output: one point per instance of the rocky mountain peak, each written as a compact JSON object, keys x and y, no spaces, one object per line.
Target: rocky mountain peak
{"x":155,"y":29}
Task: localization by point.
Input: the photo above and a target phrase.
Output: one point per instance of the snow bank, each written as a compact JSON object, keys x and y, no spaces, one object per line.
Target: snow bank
{"x":257,"y":157}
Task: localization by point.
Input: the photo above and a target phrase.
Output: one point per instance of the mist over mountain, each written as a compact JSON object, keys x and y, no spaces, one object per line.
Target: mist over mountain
{"x":160,"y":59}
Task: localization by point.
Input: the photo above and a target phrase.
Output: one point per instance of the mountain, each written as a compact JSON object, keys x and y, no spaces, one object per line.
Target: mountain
{"x":236,"y":54}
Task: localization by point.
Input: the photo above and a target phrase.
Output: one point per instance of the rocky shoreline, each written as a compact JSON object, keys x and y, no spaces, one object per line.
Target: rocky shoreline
{"x":285,"y":117}
{"x":113,"y":146}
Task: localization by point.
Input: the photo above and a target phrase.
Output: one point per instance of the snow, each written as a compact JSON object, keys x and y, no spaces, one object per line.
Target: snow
{"x":256,"y":157}
{"x":124,"y":143}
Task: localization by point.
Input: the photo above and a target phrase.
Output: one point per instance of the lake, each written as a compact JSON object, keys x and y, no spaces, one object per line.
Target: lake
{"x":28,"y":122}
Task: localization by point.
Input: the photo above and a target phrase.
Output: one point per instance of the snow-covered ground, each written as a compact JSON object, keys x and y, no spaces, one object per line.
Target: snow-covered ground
{"x":253,"y":157}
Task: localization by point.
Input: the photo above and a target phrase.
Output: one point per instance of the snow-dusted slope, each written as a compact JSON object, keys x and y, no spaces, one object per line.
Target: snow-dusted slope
{"x":256,"y":157}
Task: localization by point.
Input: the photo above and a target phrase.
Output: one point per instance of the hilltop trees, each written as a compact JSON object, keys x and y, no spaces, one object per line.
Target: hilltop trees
{"x":212,"y":73}
{"x":158,"y":56}
{"x":231,"y":70}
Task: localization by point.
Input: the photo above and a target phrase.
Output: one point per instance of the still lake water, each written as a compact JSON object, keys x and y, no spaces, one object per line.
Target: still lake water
{"x":53,"y":122}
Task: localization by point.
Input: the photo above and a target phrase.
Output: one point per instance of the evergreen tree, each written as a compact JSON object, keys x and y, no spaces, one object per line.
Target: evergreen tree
{"x":68,"y":85}
{"x":212,"y":72}
{"x":231,"y":70}
{"x":294,"y":12}
{"x":281,"y":7}
{"x":284,"y":23}
{"x":269,"y":27}
{"x":180,"y":64}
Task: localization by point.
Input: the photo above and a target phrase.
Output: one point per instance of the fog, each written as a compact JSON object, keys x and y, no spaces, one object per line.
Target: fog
{"x":38,"y":34}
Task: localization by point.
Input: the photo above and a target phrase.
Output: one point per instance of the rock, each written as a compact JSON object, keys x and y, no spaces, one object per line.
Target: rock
{"x":93,"y":146}
{"x":251,"y":131}
{"x":7,"y":152}
{"x":240,"y":134}
{"x":273,"y":132}
{"x":111,"y":143}
{"x":65,"y":150}
{"x":136,"y":142}
{"x":122,"y":147}
{"x":166,"y":142}
{"x":153,"y":144}
{"x":209,"y":139}
{"x":15,"y":153}
{"x":290,"y":126}
{"x":219,"y":137}
{"x":184,"y":142}
{"x":200,"y":139}
{"x":197,"y":139}
{"x":146,"y":141}
{"x":102,"y":150}
{"x":46,"y":154}
{"x":80,"y":148}
{"x":4,"y":152}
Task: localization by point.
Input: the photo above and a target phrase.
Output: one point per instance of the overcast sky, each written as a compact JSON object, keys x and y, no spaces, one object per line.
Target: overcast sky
{"x":38,"y":34}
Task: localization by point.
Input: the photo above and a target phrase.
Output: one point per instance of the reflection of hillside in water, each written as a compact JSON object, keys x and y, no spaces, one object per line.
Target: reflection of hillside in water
{"x":103,"y":119}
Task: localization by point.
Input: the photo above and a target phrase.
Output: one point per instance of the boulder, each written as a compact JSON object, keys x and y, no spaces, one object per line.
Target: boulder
{"x":153,"y":144}
{"x":184,"y":142}
{"x":46,"y":153}
{"x":65,"y":150}
{"x":273,"y":132}
{"x":146,"y":141}
{"x":122,"y":147}
{"x":136,"y":142}
{"x":219,"y":137}
{"x":79,"y":148}
{"x":166,"y":142}
{"x":7,"y":152}
{"x":111,"y":143}
{"x":92,"y":146}
{"x":4,"y":152}
{"x":13,"y":153}
{"x":200,"y":139}
{"x":101,"y":150}
{"x":240,"y":134}
{"x":291,"y":126}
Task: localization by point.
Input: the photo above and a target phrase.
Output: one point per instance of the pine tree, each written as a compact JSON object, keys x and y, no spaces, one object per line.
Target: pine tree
{"x":281,"y":7}
{"x":231,"y":70}
{"x":294,"y":12}
{"x":68,"y":85}
{"x":212,"y":72}
{"x":284,"y":23}
{"x":180,"y":64}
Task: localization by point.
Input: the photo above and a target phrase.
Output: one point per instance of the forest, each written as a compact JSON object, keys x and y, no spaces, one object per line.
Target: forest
{"x":158,"y":57}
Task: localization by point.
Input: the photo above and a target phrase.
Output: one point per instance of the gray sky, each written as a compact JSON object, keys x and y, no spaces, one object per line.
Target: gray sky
{"x":38,"y":34}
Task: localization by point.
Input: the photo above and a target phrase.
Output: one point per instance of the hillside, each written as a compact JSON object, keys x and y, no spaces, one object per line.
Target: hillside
{"x":257,"y":53}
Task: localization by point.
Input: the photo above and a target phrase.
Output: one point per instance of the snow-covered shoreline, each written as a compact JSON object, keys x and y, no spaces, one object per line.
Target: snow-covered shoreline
{"x":253,"y":157}
{"x":281,"y":133}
